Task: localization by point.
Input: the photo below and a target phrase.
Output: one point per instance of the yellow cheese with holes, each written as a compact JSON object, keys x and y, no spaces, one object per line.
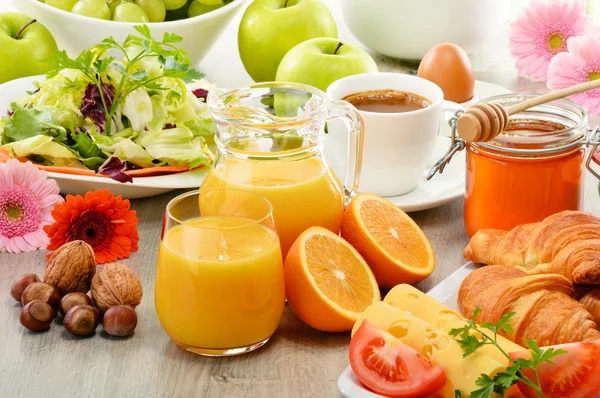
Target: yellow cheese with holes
{"x":432,"y":342}
{"x":411,"y":299}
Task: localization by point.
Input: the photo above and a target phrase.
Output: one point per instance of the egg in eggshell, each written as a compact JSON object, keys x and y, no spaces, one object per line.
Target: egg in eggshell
{"x":449,"y":66}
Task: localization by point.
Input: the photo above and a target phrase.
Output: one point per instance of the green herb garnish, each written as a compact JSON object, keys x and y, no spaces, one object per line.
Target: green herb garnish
{"x":94,"y":63}
{"x":474,"y":336}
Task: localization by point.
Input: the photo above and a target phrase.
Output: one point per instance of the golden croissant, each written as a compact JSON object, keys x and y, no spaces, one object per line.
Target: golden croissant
{"x":591,"y":301}
{"x":543,"y":305}
{"x":566,"y":243}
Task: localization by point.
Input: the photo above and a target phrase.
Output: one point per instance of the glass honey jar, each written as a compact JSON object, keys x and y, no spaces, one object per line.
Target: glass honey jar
{"x":532,"y":169}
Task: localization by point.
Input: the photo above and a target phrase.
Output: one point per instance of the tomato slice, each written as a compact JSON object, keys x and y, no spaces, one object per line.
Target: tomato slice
{"x":575,"y":374}
{"x":389,"y":367}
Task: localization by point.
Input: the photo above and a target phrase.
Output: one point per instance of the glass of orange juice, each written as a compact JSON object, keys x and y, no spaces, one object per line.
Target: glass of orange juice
{"x":219,"y":286}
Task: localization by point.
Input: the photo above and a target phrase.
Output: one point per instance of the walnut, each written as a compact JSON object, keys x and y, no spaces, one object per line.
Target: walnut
{"x":116,"y":284}
{"x":71,"y":267}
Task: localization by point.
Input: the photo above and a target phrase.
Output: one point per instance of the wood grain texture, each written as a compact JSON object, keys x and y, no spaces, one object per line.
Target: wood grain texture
{"x":298,"y":362}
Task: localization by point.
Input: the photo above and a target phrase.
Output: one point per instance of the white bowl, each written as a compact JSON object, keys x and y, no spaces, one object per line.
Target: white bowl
{"x":407,"y":29}
{"x":75,"y":33}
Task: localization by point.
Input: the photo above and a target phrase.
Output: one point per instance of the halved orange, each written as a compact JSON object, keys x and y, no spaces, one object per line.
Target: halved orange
{"x":327,"y":283}
{"x":391,"y":243}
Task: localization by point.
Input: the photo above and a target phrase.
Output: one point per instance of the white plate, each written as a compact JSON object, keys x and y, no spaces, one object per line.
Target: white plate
{"x":446,"y":292}
{"x":450,"y":185}
{"x":141,"y":187}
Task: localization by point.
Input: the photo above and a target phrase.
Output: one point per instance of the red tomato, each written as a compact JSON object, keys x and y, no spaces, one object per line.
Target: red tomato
{"x":390,"y":367}
{"x":575,"y":374}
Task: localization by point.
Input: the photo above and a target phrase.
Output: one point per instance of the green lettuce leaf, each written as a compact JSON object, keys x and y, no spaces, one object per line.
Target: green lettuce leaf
{"x":133,"y":153}
{"x":84,"y":146}
{"x":93,"y":163}
{"x":62,"y":95}
{"x":177,"y":146}
{"x":29,"y":122}
{"x":41,"y":145}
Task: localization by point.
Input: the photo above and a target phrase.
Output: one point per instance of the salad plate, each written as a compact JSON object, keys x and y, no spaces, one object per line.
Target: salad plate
{"x":131,"y":117}
{"x":78,"y":184}
{"x":140,"y":187}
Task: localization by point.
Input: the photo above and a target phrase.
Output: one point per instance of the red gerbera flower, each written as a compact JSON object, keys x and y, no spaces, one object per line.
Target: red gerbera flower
{"x":99,"y":219}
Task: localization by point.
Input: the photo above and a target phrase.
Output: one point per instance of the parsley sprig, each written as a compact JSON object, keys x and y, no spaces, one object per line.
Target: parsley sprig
{"x":96,"y":61}
{"x":474,"y":336}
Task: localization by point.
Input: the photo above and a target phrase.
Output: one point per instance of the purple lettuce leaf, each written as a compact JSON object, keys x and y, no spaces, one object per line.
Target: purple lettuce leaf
{"x":169,"y":126}
{"x":200,"y":93}
{"x":92,"y":106}
{"x":114,"y":168}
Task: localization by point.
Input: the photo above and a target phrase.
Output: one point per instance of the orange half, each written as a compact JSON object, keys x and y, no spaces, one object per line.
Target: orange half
{"x":392,"y":244}
{"x":327,"y":282}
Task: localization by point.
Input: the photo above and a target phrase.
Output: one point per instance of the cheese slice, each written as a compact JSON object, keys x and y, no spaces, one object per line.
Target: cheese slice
{"x":411,"y":299}
{"x":433,"y":343}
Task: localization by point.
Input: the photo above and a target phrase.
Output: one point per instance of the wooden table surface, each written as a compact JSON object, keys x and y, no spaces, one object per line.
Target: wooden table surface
{"x":297,"y":362}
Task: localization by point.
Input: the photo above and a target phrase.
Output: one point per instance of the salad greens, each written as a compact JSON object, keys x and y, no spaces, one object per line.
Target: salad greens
{"x":109,"y":115}
{"x":473,"y":336}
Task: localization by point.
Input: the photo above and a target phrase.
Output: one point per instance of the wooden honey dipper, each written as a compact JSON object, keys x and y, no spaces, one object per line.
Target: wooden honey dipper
{"x":483,"y":122}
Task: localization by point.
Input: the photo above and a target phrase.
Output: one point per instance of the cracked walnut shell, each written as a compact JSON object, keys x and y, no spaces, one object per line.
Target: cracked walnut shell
{"x":71,"y":268}
{"x":116,"y":284}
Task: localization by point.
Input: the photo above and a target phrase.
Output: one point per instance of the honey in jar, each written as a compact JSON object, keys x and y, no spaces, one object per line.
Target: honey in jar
{"x":533,"y":169}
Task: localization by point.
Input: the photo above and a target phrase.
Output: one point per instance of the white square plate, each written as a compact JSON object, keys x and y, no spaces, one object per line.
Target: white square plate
{"x":446,"y":292}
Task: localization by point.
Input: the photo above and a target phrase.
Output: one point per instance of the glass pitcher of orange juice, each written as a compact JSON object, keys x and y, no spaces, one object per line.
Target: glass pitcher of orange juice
{"x":270,"y":142}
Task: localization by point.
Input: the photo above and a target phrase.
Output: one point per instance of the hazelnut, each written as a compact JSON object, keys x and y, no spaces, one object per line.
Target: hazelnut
{"x":16,"y":290}
{"x":116,"y":284}
{"x":81,"y":320}
{"x":71,"y":267}
{"x":72,"y":299}
{"x":120,"y":320}
{"x":39,"y":291}
{"x":37,"y":315}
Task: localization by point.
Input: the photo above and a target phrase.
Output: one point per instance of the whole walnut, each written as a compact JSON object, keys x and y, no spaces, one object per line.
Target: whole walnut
{"x":116,"y":284}
{"x":71,"y":267}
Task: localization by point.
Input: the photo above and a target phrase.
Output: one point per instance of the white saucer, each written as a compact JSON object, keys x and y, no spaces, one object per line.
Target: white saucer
{"x":446,"y":292}
{"x":442,"y":188}
{"x":450,"y":185}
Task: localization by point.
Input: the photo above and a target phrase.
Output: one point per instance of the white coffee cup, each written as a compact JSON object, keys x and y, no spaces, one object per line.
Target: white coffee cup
{"x":397,"y":146}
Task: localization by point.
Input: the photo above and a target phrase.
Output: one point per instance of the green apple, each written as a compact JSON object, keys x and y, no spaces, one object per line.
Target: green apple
{"x":24,"y":46}
{"x":319,"y":62}
{"x":270,"y":28}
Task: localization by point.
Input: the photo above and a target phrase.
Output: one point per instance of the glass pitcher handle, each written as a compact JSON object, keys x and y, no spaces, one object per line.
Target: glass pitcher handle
{"x":344,"y":111}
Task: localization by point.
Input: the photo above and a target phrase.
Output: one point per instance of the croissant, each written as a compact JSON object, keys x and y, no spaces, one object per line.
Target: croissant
{"x":543,"y":306}
{"x":591,"y":301}
{"x":566,"y":243}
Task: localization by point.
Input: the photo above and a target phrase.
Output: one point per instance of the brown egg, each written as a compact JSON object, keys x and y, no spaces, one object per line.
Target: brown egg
{"x":449,"y":66}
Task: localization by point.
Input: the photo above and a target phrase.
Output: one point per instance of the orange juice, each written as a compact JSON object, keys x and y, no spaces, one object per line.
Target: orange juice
{"x":219,"y":283}
{"x":304,"y":193}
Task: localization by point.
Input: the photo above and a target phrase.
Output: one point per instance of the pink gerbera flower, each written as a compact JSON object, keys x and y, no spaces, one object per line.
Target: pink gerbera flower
{"x":27,"y":197}
{"x":580,"y":64}
{"x":543,"y":31}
